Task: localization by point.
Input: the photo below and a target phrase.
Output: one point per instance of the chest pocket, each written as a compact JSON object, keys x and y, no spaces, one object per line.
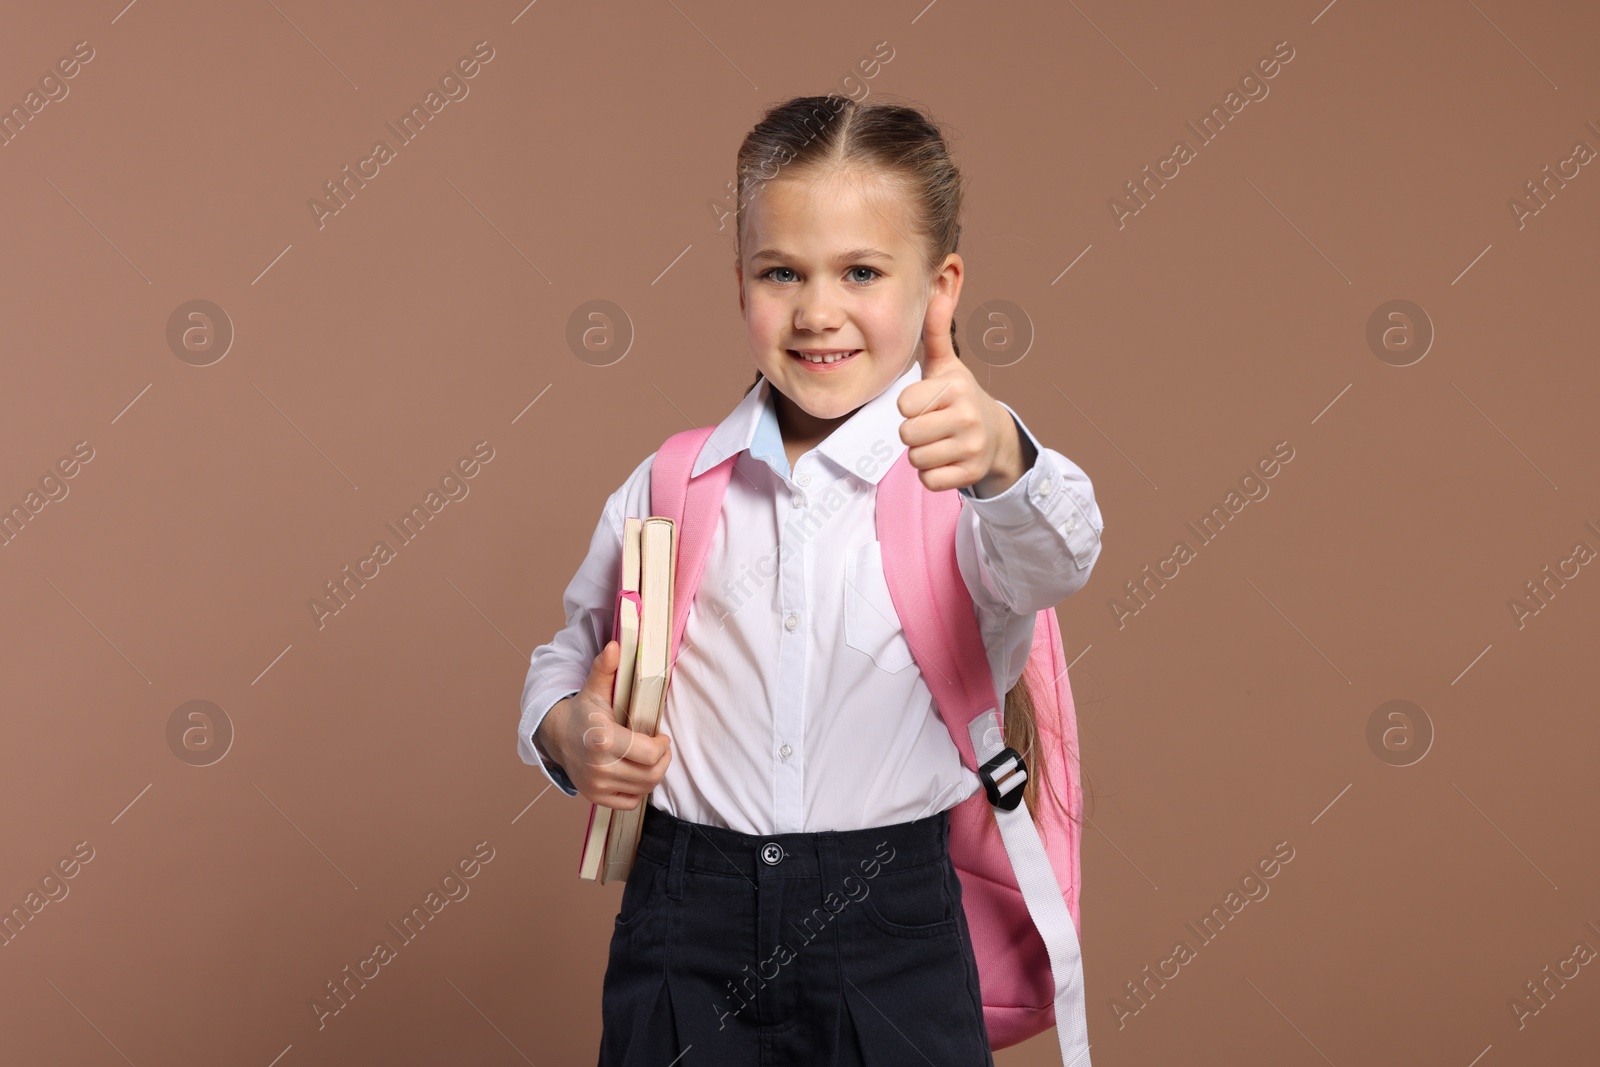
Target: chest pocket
{"x":870,"y":623}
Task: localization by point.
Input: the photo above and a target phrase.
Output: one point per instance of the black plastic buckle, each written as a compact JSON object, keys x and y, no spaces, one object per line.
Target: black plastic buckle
{"x":1014,"y":778}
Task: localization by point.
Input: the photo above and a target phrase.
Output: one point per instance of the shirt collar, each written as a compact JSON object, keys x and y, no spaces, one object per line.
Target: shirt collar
{"x":866,"y":444}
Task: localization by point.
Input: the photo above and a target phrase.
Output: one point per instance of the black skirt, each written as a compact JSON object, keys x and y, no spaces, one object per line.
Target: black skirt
{"x":828,"y":949}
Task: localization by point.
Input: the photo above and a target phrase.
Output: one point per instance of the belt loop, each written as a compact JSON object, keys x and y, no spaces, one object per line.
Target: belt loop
{"x":828,"y":862}
{"x":680,"y":855}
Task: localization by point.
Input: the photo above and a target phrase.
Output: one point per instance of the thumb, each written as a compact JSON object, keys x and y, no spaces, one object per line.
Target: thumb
{"x":939,"y":356}
{"x":603,"y":673}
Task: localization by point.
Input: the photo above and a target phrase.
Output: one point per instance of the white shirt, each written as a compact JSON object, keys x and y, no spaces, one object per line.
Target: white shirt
{"x":795,"y":704}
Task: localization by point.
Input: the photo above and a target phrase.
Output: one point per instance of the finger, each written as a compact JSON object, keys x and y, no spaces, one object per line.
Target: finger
{"x":606,"y":742}
{"x":938,"y":424}
{"x":625,"y":779}
{"x":919,"y":398}
{"x":643,"y":750}
{"x":620,"y":801}
{"x":952,"y":476}
{"x":940,"y":455}
{"x":939,"y":356}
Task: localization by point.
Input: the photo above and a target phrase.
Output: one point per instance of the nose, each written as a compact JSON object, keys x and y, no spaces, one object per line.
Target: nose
{"x":816,"y":310}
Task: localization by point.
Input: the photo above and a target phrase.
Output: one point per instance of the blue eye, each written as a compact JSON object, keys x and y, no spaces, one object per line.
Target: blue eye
{"x":873,"y":273}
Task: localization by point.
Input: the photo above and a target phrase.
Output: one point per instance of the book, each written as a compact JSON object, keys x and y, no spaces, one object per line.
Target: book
{"x":641,"y":625}
{"x":625,"y":631}
{"x":652,"y":670}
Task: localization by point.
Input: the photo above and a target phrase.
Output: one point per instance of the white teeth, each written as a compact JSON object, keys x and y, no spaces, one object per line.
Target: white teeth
{"x":824,"y":359}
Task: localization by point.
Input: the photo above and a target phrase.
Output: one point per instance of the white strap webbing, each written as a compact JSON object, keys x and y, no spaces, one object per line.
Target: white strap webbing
{"x":1042,"y":893}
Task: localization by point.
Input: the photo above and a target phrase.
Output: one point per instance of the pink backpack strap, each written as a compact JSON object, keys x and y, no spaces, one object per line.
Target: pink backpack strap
{"x":941,"y":626}
{"x":1010,"y":882}
{"x":695,"y":507}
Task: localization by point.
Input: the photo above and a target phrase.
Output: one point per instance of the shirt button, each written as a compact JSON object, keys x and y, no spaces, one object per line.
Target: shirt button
{"x":1044,"y":487}
{"x":785,"y":751}
{"x":791,"y":622}
{"x":804,"y":479}
{"x":799,"y":500}
{"x":1072,"y":523}
{"x":771,"y":853}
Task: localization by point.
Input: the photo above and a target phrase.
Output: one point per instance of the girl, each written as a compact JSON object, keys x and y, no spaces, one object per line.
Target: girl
{"x":793,"y":900}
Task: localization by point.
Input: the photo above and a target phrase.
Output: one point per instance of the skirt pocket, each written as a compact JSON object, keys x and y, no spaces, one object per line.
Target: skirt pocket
{"x":912,"y":904}
{"x":642,"y":893}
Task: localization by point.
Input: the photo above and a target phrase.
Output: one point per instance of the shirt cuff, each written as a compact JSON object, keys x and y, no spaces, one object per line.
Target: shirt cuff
{"x":1043,"y":493}
{"x":552,"y":770}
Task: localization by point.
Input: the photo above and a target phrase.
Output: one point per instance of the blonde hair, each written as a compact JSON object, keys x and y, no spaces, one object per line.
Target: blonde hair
{"x":811,"y":135}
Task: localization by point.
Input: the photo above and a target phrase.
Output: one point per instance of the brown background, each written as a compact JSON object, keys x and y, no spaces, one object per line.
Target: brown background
{"x":362,"y":758}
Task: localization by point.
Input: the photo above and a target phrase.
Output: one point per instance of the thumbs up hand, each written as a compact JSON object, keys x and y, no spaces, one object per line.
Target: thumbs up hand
{"x":958,"y":435}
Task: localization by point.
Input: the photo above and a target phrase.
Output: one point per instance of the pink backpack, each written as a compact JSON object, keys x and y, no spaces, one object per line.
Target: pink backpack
{"x":1020,"y":893}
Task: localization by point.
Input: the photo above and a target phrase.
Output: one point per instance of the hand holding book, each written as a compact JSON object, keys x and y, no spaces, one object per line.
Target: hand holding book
{"x":609,"y":764}
{"x":612,"y":724}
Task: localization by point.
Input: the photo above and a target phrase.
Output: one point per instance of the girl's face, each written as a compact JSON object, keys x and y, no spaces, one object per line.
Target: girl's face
{"x":831,"y":264}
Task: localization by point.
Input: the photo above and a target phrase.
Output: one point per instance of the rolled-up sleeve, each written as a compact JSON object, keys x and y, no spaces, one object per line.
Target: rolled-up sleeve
{"x":558,"y":669}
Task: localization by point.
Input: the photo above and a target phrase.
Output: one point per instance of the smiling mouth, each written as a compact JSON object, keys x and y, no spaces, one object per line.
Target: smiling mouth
{"x":825,"y":359}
